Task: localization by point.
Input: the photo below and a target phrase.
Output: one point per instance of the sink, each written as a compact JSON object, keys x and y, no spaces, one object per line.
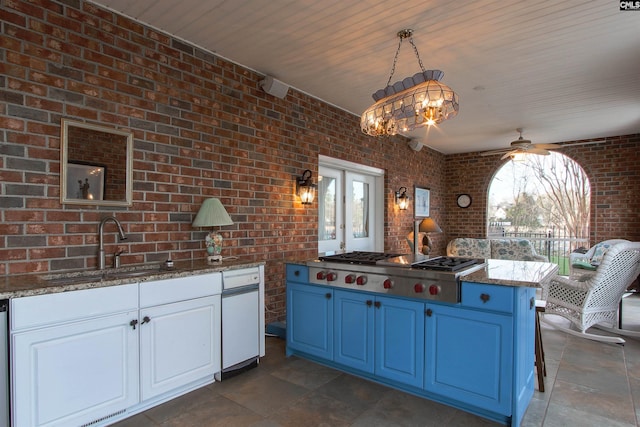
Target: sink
{"x":100,"y":275}
{"x":124,"y":274}
{"x":71,"y":280}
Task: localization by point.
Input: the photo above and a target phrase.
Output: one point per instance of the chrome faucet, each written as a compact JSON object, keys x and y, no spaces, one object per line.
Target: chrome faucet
{"x":101,"y":255}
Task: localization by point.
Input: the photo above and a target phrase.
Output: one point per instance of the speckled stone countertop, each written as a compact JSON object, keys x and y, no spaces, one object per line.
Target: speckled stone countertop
{"x":513,"y":273}
{"x":15,"y":286}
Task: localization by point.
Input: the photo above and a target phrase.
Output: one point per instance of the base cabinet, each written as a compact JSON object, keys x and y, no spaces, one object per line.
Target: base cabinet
{"x":466,"y":352}
{"x":179,"y":344}
{"x":380,"y":335}
{"x":92,"y":357}
{"x":310,"y":320}
{"x":476,"y":355}
{"x":74,"y":356}
{"x":98,"y":357}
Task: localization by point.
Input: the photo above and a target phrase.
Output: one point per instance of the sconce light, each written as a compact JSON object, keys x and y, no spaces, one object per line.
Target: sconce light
{"x":305,"y":188}
{"x":402,"y":200}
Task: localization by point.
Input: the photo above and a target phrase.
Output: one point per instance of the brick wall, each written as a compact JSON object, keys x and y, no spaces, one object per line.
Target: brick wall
{"x":612,"y":168}
{"x":203,"y":128}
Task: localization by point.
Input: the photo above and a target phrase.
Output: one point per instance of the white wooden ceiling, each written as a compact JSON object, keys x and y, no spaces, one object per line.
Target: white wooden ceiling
{"x":562,"y":70}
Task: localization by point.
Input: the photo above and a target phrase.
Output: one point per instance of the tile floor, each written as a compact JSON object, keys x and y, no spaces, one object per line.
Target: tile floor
{"x":588,"y":384}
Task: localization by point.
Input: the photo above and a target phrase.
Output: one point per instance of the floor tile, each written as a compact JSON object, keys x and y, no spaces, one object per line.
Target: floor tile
{"x":588,"y":384}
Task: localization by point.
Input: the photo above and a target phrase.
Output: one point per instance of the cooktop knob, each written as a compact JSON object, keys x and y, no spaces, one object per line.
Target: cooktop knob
{"x":349,"y":278}
{"x":332,"y":277}
{"x":434,"y":290}
{"x":387,"y":284}
{"x":361,"y":280}
{"x":321,"y":275}
{"x":418,"y":288}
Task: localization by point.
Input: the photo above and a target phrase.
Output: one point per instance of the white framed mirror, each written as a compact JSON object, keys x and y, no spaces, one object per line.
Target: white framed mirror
{"x":96,"y":165}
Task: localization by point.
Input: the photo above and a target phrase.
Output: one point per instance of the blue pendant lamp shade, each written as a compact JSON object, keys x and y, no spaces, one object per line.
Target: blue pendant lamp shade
{"x":212,"y":214}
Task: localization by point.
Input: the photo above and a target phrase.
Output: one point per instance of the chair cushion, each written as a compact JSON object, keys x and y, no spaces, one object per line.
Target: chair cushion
{"x":470,"y":248}
{"x":512,"y":249}
{"x":583,"y":263}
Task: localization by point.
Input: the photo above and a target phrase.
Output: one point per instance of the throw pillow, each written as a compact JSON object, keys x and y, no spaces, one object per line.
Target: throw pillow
{"x":598,"y":253}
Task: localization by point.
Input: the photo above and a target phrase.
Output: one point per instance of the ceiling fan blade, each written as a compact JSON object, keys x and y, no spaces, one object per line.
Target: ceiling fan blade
{"x":494,"y":152}
{"x":547,"y":146}
{"x":540,"y":151}
{"x":510,"y":154}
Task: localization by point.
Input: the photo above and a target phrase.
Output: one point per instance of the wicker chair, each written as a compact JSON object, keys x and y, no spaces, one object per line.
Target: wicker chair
{"x":595,"y":301}
{"x":580,"y":274}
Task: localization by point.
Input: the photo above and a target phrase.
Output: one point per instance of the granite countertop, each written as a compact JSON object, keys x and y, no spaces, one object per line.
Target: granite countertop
{"x":15,"y":286}
{"x":513,"y":273}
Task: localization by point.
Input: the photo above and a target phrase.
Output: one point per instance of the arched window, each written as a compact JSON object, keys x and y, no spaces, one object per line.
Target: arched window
{"x":545,"y":199}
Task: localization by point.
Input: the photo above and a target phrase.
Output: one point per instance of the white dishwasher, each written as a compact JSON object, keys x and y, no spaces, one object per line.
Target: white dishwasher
{"x":242,"y":320}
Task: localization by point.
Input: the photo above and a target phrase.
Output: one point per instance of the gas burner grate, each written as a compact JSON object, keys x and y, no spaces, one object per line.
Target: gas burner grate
{"x":447,"y":263}
{"x":358,"y":257}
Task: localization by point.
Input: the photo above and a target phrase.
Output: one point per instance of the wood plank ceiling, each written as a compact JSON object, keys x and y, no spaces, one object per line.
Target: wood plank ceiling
{"x":563,"y":71}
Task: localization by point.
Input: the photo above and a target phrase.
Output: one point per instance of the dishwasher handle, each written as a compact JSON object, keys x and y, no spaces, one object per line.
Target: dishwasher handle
{"x":239,"y":291}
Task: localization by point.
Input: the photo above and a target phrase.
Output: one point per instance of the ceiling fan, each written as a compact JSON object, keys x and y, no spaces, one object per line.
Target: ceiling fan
{"x":522,"y":146}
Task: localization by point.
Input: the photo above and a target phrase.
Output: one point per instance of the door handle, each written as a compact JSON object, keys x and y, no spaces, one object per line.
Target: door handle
{"x":133,"y":323}
{"x":145,"y":319}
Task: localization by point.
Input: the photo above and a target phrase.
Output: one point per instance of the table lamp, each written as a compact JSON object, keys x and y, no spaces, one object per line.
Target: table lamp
{"x":427,"y":225}
{"x":212,"y":214}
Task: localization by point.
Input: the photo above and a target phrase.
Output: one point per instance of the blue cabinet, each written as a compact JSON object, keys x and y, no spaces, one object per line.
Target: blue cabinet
{"x":477,"y":355}
{"x":400,"y":340}
{"x":469,"y":356}
{"x":380,"y":335}
{"x":354,"y":322}
{"x":310,"y":319}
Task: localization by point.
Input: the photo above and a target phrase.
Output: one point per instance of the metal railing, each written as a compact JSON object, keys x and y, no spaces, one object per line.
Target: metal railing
{"x":555,"y":243}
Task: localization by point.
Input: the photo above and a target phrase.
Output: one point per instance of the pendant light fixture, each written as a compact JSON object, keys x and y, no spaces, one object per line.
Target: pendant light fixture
{"x":420,"y":100}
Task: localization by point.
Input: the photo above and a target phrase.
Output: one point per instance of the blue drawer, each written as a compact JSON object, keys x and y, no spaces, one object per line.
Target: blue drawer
{"x":487,"y":297}
{"x":297,"y":273}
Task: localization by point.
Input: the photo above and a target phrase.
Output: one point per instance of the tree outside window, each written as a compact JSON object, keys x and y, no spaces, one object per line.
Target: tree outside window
{"x":545,"y":199}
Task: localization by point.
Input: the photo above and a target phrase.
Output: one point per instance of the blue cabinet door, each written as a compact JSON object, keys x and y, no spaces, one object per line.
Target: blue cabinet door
{"x":399,"y":335}
{"x":310,"y":319}
{"x":469,"y":356}
{"x":354,"y":322}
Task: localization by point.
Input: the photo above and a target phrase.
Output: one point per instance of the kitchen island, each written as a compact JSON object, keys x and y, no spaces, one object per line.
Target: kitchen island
{"x":476,"y":354}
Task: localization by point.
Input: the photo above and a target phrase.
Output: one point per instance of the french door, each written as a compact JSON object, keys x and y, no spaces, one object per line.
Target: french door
{"x":350,"y":207}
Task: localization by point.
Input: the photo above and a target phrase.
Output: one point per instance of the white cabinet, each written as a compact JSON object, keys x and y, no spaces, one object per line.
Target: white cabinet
{"x":74,"y":362}
{"x":179,"y":332}
{"x":179,"y":344}
{"x":92,"y":357}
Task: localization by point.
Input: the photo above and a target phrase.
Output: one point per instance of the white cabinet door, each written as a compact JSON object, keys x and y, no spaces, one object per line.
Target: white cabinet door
{"x":179,"y":344}
{"x":75,"y":373}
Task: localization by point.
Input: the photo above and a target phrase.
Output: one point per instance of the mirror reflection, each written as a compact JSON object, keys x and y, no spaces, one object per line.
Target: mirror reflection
{"x":96,"y":164}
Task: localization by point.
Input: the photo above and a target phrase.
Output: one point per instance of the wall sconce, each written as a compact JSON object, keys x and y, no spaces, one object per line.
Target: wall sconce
{"x":402,"y":200}
{"x":305,"y":188}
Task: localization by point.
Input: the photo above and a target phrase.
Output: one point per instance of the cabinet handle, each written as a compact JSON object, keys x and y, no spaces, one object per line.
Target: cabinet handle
{"x":377,"y":304}
{"x":133,"y":323}
{"x":532,"y":303}
{"x":485,"y":297}
{"x":145,"y":319}
{"x":296,"y":273}
{"x":369,"y":302}
{"x":428,"y":312}
{"x":327,"y":295}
